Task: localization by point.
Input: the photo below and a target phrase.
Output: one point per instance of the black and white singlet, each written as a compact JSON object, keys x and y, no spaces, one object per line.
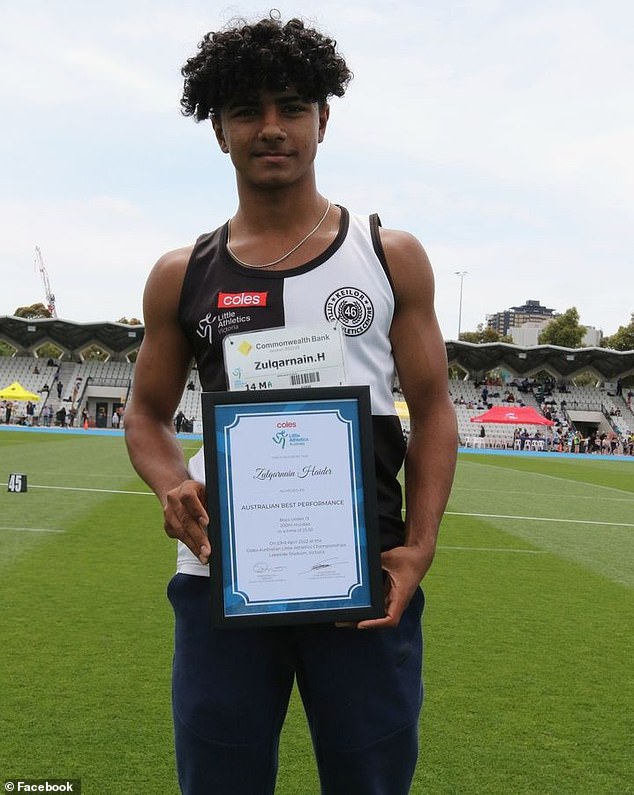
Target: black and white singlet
{"x":348,"y":283}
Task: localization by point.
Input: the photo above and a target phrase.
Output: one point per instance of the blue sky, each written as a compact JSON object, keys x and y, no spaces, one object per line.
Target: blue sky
{"x":499,"y":133}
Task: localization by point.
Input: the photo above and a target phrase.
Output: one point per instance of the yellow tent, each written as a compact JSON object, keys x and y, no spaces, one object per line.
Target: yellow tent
{"x":16,"y":391}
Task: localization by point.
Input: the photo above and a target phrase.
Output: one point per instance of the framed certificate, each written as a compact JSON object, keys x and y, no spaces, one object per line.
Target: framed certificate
{"x":292,"y":503}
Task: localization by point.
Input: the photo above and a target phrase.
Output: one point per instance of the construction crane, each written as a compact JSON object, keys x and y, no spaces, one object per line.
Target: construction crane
{"x":50,"y":298}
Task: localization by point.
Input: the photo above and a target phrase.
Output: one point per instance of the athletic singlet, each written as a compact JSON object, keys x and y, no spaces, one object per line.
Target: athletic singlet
{"x":348,"y":283}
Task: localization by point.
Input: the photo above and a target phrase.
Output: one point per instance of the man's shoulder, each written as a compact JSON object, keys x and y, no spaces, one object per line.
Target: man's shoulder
{"x":399,"y":239}
{"x":179,"y":258}
{"x":171,"y":266}
{"x":167,"y":275}
{"x":176,"y":258}
{"x":404,"y":253}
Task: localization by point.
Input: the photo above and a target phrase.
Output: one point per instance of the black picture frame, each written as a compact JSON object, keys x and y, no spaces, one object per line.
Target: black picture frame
{"x":301,"y":530}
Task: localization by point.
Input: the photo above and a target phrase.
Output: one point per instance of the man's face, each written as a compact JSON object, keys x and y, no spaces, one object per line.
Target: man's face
{"x":272,"y":137}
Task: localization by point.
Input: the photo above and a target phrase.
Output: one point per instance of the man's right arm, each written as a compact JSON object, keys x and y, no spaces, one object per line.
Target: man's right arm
{"x":161,"y":369}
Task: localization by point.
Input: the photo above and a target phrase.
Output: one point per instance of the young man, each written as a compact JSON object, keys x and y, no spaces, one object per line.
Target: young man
{"x":265,"y":87}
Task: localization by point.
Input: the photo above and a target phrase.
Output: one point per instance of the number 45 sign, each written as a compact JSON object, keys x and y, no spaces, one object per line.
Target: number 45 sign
{"x":17,"y":483}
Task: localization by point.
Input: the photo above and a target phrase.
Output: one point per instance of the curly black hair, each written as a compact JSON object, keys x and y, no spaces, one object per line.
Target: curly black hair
{"x":266,"y":55}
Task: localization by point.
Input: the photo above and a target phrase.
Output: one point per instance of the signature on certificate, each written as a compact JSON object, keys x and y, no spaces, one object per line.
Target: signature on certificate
{"x":326,"y":567}
{"x":264,"y":571}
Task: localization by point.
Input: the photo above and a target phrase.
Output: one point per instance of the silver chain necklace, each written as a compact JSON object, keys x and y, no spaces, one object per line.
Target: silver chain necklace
{"x":288,"y":253}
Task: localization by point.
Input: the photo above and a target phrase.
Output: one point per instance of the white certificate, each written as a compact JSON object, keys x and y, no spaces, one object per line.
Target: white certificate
{"x":294,"y":518}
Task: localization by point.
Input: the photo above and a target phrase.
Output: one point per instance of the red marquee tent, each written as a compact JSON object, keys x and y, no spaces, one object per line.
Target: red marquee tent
{"x":513,"y":415}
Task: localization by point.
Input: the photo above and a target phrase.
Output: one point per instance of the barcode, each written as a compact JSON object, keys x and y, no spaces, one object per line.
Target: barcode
{"x":304,"y":378}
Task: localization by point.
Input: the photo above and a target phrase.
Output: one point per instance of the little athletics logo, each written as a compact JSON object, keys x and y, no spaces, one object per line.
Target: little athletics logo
{"x":43,"y":785}
{"x":286,"y":435}
{"x":352,"y":309}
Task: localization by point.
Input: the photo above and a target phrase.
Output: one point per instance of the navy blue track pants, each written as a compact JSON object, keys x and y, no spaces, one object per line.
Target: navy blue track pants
{"x":361,"y":690}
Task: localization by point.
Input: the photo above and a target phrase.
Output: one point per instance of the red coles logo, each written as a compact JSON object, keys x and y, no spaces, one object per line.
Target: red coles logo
{"x":238,"y":300}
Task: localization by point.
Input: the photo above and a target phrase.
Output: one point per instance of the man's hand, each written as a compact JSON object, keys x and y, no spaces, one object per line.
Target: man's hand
{"x":185,"y":518}
{"x":404,"y":568}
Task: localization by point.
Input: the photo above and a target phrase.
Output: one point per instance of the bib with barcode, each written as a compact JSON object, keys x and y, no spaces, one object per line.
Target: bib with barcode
{"x":284,"y":358}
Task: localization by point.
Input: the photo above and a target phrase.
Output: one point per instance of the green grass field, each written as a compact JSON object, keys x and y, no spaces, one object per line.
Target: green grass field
{"x":528,"y":628}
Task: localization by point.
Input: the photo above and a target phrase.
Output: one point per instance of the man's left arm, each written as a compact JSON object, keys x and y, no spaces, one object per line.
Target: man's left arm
{"x":421,"y":363}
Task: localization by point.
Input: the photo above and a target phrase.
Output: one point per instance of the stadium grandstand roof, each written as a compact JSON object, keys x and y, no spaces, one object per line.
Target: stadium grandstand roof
{"x":27,"y":335}
{"x":560,"y":362}
{"x":119,"y":339}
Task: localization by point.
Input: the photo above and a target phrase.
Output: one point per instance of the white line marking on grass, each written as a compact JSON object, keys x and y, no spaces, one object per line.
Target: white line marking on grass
{"x":497,"y":549}
{"x":32,"y":529}
{"x":98,"y":491}
{"x":548,"y":495}
{"x":539,"y":519}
